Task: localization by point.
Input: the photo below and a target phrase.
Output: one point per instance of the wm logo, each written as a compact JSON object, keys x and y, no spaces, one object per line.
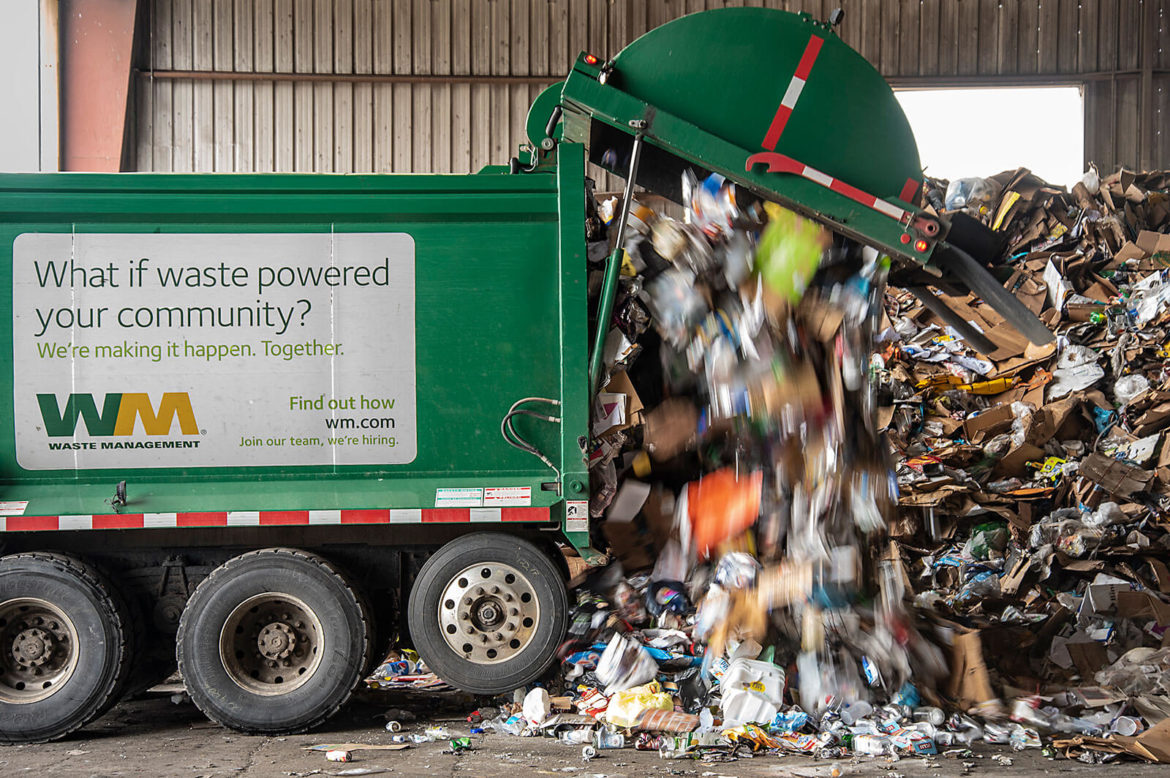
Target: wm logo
{"x":119,"y":414}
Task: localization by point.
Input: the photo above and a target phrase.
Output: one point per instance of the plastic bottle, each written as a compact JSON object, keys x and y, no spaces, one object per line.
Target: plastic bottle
{"x":604,"y":739}
{"x":855,"y":711}
{"x":577,"y":737}
{"x":934,"y":715}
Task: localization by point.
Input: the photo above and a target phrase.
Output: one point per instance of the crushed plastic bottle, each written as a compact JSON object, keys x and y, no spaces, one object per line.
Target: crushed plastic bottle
{"x":604,"y":739}
{"x":577,"y":737}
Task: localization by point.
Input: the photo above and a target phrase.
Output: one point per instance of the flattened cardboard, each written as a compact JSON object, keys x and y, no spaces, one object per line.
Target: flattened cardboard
{"x":1115,"y":477}
{"x":1153,"y":745}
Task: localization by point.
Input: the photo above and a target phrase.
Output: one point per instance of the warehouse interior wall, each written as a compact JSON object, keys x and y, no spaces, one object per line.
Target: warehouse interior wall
{"x":412,"y":86}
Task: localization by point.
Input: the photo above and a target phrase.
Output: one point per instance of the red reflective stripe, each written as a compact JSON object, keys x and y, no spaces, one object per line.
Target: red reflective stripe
{"x":118,"y":521}
{"x":446,"y":515}
{"x":852,"y":192}
{"x":779,"y":121}
{"x":31,"y":523}
{"x":809,"y":57}
{"x":524,"y":514}
{"x":909,"y":193}
{"x":373,"y":516}
{"x":282,"y":518}
{"x":212,"y":519}
{"x":803,"y":68}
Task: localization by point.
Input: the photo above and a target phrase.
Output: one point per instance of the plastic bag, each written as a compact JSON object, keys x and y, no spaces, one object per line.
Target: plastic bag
{"x":1128,"y":387}
{"x":721,"y":505}
{"x":624,"y":665}
{"x":975,"y":193}
{"x":789,"y":252}
{"x":625,"y":706}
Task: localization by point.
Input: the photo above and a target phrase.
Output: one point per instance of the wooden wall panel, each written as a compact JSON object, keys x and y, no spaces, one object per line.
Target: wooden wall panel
{"x":510,"y":49}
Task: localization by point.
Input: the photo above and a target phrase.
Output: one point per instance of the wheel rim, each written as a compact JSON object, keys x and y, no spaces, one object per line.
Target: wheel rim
{"x":488,"y":613}
{"x":271,"y":644}
{"x":38,"y":650}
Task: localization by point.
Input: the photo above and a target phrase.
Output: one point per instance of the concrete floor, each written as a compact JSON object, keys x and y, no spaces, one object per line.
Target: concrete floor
{"x":155,"y":737}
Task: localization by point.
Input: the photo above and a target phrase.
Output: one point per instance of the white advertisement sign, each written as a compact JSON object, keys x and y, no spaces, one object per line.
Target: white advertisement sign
{"x":213,"y":349}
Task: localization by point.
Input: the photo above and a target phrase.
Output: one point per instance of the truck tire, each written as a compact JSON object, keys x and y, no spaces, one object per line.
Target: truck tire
{"x":64,"y":646}
{"x":487,"y":612}
{"x":273,"y":642}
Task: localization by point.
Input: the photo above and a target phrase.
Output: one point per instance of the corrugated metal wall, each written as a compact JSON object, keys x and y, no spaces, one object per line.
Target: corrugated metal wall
{"x":444,"y":85}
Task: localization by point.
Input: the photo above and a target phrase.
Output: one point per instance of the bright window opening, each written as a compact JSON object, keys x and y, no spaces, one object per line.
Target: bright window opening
{"x":981,"y":132}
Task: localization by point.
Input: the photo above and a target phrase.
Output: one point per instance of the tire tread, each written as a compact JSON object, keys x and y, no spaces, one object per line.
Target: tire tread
{"x":244,"y":559}
{"x":111,"y":600}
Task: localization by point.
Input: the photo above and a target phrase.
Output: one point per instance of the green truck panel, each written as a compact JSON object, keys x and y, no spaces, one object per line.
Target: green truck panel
{"x":498,"y":314}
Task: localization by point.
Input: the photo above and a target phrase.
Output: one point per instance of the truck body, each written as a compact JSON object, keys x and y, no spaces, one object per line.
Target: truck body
{"x":247,"y":414}
{"x":319,"y":349}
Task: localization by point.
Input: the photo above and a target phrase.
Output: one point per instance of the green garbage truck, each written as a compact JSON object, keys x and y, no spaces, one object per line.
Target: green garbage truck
{"x":257,"y":424}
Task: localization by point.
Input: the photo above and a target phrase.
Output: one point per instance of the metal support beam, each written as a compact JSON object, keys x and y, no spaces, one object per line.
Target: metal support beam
{"x":344,"y":78}
{"x":50,"y":86}
{"x":1012,"y":79}
{"x":97,"y":39}
{"x":1148,"y":47}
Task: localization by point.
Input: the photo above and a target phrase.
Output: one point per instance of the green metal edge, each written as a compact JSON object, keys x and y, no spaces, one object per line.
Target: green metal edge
{"x":574,"y":333}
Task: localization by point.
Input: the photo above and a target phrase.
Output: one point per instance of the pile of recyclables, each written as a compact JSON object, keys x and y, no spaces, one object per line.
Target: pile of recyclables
{"x":835,"y":528}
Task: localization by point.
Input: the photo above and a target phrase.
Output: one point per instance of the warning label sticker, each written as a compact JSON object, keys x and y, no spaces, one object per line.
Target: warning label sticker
{"x":577,"y":516}
{"x":507,"y":496}
{"x":459,"y":498}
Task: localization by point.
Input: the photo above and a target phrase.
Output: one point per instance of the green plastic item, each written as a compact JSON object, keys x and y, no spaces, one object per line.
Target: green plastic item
{"x":789,"y":253}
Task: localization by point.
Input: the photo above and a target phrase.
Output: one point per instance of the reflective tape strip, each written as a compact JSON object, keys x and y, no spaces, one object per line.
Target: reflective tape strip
{"x":486,"y":514}
{"x":909,"y":191}
{"x":792,"y":93}
{"x":889,"y":209}
{"x":324,"y":517}
{"x":812,"y":174}
{"x":32,"y":523}
{"x":283,"y":518}
{"x":118,"y":521}
{"x":160,"y":520}
{"x":526,"y":514}
{"x":243,"y":519}
{"x":271,"y":518}
{"x":865,"y":198}
{"x":365,"y":516}
{"x":446,"y":515}
{"x":780,"y":163}
{"x":75,"y":522}
{"x":804,"y":67}
{"x":212,"y":519}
